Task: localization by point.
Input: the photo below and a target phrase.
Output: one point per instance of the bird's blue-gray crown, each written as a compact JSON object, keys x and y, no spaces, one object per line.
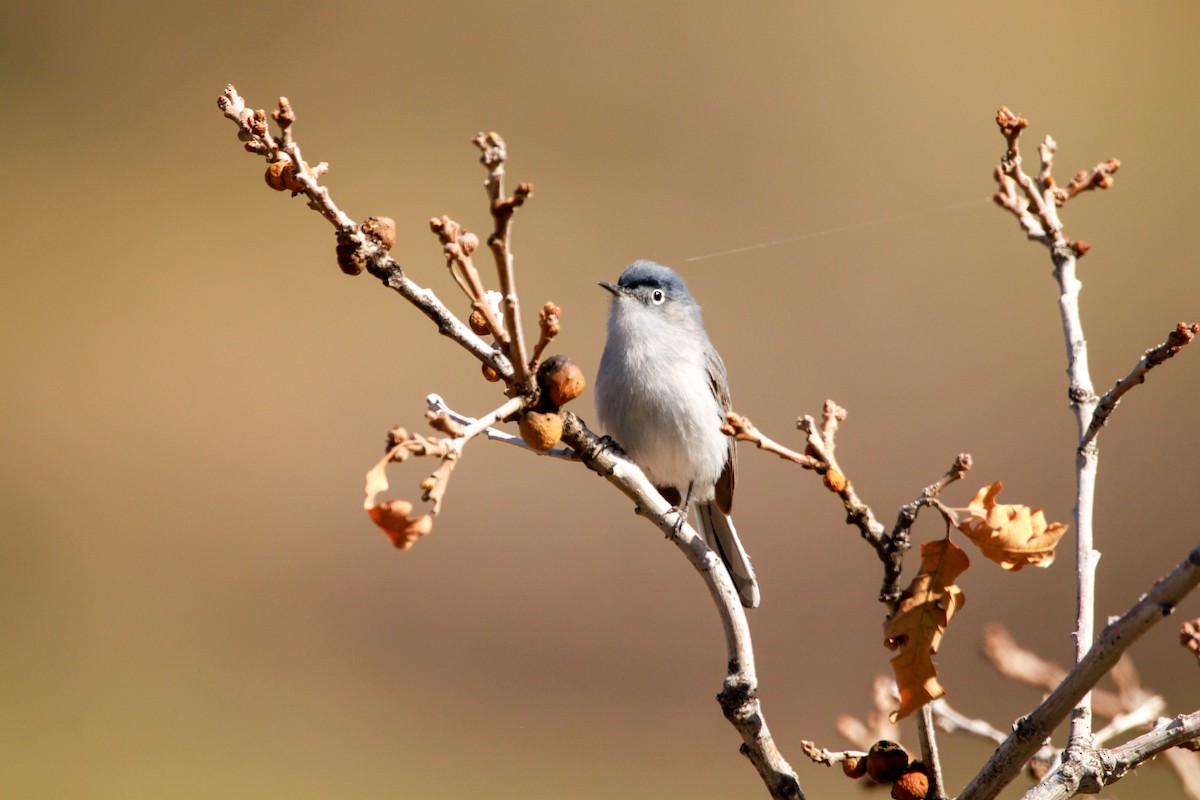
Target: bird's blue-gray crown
{"x":643,"y":278}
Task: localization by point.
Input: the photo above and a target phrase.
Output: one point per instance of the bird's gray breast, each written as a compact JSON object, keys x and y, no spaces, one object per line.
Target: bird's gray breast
{"x":654,"y":396}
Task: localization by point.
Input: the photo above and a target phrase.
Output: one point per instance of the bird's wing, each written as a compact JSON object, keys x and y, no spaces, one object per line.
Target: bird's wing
{"x":719,"y":379}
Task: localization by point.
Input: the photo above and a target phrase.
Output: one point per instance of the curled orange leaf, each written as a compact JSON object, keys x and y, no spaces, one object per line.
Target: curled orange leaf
{"x":921,"y":617}
{"x":392,"y":518}
{"x":1011,"y":535}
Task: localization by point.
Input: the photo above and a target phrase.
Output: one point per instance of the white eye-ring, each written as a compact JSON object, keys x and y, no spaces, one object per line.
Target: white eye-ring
{"x":657,"y":297}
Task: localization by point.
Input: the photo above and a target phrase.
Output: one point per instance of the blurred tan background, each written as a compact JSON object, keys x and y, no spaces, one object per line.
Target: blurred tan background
{"x":193,"y":603}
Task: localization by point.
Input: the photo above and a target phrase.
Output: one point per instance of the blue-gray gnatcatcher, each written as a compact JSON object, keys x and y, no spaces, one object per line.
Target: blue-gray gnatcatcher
{"x":662,"y":393}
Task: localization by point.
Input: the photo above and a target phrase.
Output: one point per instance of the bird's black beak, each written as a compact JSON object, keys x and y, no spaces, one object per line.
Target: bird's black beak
{"x":612,"y":287}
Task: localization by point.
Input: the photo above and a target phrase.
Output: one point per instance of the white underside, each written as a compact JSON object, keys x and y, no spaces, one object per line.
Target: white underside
{"x":672,"y":426}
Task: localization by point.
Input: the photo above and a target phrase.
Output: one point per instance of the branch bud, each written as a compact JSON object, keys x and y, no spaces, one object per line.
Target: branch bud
{"x":468,"y":242}
{"x":911,"y":786}
{"x":284,"y":115}
{"x":540,"y":430}
{"x":478,"y":322}
{"x":886,"y":761}
{"x":855,"y":766}
{"x":350,"y":256}
{"x":290,"y":180}
{"x":274,"y":175}
{"x":561,"y":380}
{"x":835,"y":481}
{"x":381,"y":230}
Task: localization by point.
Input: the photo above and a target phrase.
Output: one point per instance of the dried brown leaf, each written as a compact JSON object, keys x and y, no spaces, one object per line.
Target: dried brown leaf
{"x":1013,"y":536}
{"x":392,"y":518}
{"x":920,"y":620}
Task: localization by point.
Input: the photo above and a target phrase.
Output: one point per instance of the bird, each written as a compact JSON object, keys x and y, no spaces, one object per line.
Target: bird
{"x":662,"y":393}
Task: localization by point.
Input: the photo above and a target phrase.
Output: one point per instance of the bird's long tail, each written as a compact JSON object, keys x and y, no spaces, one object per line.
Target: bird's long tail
{"x":722,"y":537}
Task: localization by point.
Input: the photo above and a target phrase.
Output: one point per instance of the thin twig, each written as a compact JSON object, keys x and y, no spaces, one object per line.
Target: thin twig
{"x":743,"y":430}
{"x":929,"y":753}
{"x":437,"y":405}
{"x":952,"y":721}
{"x":495,"y":153}
{"x":252,"y":125}
{"x":549,"y":324}
{"x":1183,"y":334}
{"x":819,"y":755}
{"x":819,"y":456}
{"x":448,"y":323}
{"x":899,"y":540}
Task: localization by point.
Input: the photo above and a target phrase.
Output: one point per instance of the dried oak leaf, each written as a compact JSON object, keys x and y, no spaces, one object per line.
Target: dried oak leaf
{"x":392,"y":518}
{"x":1012,"y":536}
{"x":920,"y":620}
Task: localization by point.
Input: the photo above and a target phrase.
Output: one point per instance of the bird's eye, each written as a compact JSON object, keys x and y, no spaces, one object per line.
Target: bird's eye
{"x":657,"y":297}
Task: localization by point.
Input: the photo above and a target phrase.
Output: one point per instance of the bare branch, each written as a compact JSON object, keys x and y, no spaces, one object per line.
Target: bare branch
{"x":739,"y":697}
{"x":1035,"y":207}
{"x":829,"y":758}
{"x":742,"y":429}
{"x":1098,"y":177}
{"x":495,"y":153}
{"x":448,"y":323}
{"x":1183,"y":334}
{"x":819,"y":456}
{"x":1044,"y":225}
{"x":1114,"y":640}
{"x":402,"y":445}
{"x":359,"y":247}
{"x":952,"y":721}
{"x":300,"y":178}
{"x":1105,"y":767}
{"x":898,"y":542}
{"x":929,"y":753}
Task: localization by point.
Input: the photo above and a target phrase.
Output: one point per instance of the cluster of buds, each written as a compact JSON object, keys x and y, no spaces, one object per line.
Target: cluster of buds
{"x":350,"y":255}
{"x":887,"y":762}
{"x":283,"y":175}
{"x":1010,"y":124}
{"x":559,"y":382}
{"x":381,"y":230}
{"x":456,"y":242}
